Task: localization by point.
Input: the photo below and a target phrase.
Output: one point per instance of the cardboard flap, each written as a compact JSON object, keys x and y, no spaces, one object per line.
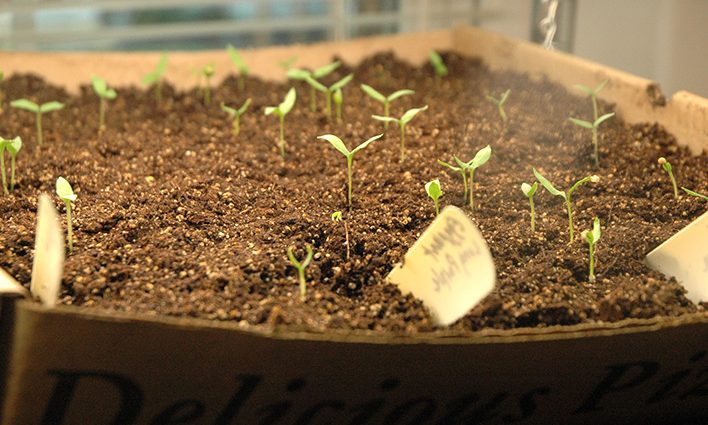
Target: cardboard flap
{"x":9,"y":287}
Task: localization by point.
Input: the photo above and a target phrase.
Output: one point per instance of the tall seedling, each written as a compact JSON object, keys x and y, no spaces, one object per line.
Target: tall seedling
{"x":235,"y":115}
{"x":317,"y":74}
{"x":405,"y":119}
{"x":329,"y":91}
{"x":240,"y":65}
{"x":281,"y":111}
{"x":154,"y":78}
{"x":105,"y":94}
{"x":593,"y":126}
{"x":385,"y":100}
{"x":438,"y":66}
{"x":38,"y":110}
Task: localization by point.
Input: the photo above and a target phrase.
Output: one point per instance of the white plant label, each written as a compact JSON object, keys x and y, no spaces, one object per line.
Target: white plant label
{"x":685,"y":257}
{"x":449,"y":267}
{"x":48,"y":265}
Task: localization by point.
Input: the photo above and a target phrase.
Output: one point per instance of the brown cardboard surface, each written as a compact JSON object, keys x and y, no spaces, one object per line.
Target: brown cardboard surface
{"x":70,"y":365}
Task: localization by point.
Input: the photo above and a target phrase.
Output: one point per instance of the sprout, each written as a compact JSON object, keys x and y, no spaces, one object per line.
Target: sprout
{"x":593,"y":95}
{"x":337,"y":143}
{"x":462,"y":169}
{"x":321,"y":72}
{"x":66,"y":194}
{"x":281,"y":111}
{"x":338,"y":100}
{"x":592,"y":237}
{"x":105,"y":94}
{"x":666,"y":165}
{"x":500,"y":103}
{"x":206,"y":73}
{"x":301,"y":268}
{"x":235,"y":114}
{"x":386,"y":100}
{"x":405,"y":119}
{"x":240,"y":65}
{"x":565,"y":195}
{"x":287,"y":64}
{"x":13,"y":146}
{"x":529,"y":191}
{"x":593,"y":126}
{"x":435,"y":192}
{"x":28,"y":105}
{"x":337,"y":216}
{"x":155,"y":77}
{"x":328,"y":91}
{"x":438,"y":65}
{"x":696,"y":194}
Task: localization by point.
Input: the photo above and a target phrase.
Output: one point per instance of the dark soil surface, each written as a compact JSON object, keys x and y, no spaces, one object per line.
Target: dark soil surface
{"x":176,"y":216}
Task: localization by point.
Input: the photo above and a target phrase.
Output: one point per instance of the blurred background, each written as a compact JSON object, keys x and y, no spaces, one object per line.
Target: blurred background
{"x":665,"y":40}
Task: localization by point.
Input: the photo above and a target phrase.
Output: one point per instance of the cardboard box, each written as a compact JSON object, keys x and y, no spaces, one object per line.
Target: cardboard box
{"x":66,"y":365}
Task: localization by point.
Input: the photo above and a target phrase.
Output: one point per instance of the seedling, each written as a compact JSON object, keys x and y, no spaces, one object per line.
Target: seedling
{"x":338,"y":99}
{"x":337,"y":216}
{"x":337,"y":143}
{"x":666,"y":165}
{"x":28,"y":105}
{"x":405,"y":119}
{"x":235,"y":115}
{"x":300,"y":266}
{"x":281,"y":111}
{"x":593,"y":95}
{"x":206,"y":73}
{"x":592,"y":237}
{"x":288,"y":63}
{"x":105,"y":94}
{"x":321,"y":72}
{"x":12,"y":146}
{"x":565,"y":195}
{"x":435,"y":192}
{"x":462,"y":169}
{"x":66,"y":194}
{"x":500,"y":104}
{"x":438,"y":65}
{"x":155,"y":77}
{"x":480,"y":158}
{"x":386,"y":100}
{"x":529,"y":191}
{"x":696,"y":194}
{"x":328,"y":91}
{"x":240,"y":65}
{"x":593,"y":127}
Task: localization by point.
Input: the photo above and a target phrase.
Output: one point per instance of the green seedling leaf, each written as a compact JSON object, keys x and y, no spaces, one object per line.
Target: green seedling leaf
{"x":25,"y":104}
{"x":51,"y":106}
{"x":405,"y":118}
{"x":373,"y":93}
{"x":438,"y":65}
{"x":337,"y":216}
{"x":325,"y":70}
{"x":38,"y":110}
{"x":298,"y":74}
{"x":66,"y":194}
{"x":155,"y":76}
{"x":462,"y":169}
{"x":341,"y":83}
{"x":548,"y":185}
{"x":696,"y":194}
{"x":592,"y":238}
{"x":244,"y":107}
{"x":585,"y":89}
{"x":316,"y":84}
{"x":529,"y":190}
{"x":336,"y":142}
{"x":582,"y":123}
{"x":13,"y":146}
{"x":101,"y":88}
{"x":385,"y":119}
{"x":435,"y":192}
{"x":282,"y":110}
{"x":399,"y":93}
{"x":481,"y":157}
{"x":500,"y":103}
{"x":301,"y":266}
{"x":289,"y":102}
{"x":236,"y":59}
{"x":229,"y":110}
{"x":409,"y":114}
{"x":270,"y":109}
{"x":603,"y":119}
{"x":450,"y":166}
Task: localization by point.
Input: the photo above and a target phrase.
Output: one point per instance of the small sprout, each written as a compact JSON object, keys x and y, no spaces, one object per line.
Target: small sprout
{"x":338,"y":100}
{"x":321,"y":72}
{"x":328,"y":91}
{"x":288,"y":63}
{"x":565,"y":195}
{"x":28,"y":105}
{"x":593,"y":95}
{"x":500,"y":104}
{"x":66,"y":194}
{"x":240,"y":65}
{"x":529,"y":191}
{"x":593,"y":127}
{"x":666,"y":165}
{"x":235,"y":114}
{"x":462,"y":169}
{"x":696,"y":194}
{"x":337,"y":143}
{"x":281,"y":111}
{"x":337,"y":216}
{"x":105,"y":94}
{"x":405,"y":119}
{"x":300,"y":266}
{"x":480,"y":158}
{"x":155,"y":77}
{"x":13,"y":146}
{"x":435,"y":192}
{"x":386,"y":100}
{"x":206,"y":73}
{"x":592,"y":237}
{"x":438,"y":65}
